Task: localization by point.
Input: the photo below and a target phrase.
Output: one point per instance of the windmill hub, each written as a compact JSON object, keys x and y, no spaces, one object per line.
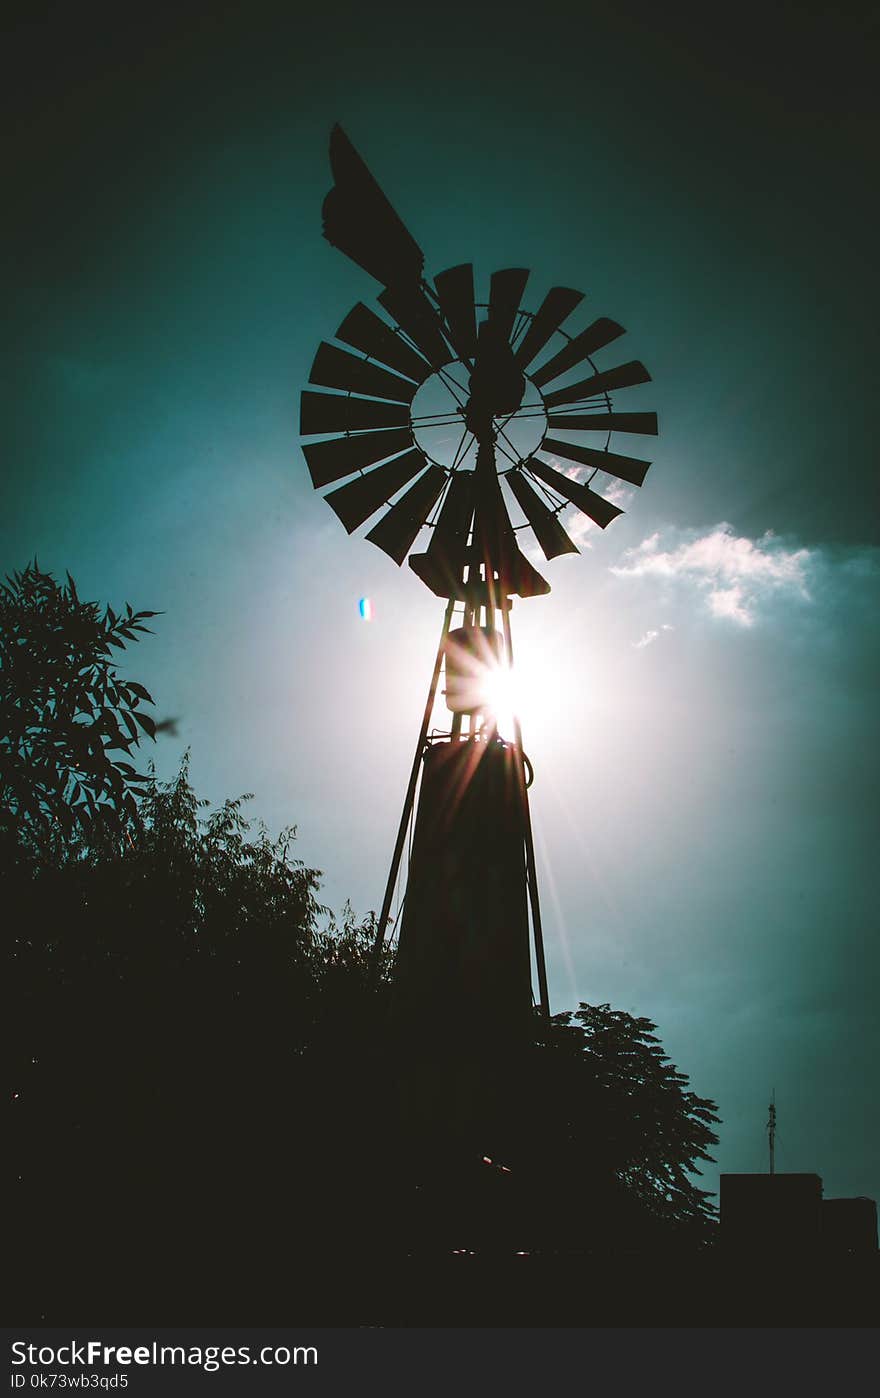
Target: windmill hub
{"x":497,"y":384}
{"x":444,"y":427}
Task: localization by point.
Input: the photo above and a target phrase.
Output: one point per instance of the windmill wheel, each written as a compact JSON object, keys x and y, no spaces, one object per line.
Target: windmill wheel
{"x":431,"y":381}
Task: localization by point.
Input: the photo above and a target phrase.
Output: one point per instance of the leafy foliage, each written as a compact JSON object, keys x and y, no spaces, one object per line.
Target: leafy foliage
{"x":191,"y":913}
{"x":165,"y":994}
{"x":619,"y":1116}
{"x":219,"y":889}
{"x":65,"y":713}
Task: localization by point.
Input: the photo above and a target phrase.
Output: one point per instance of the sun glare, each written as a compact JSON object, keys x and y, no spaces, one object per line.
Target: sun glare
{"x":502,"y":698}
{"x":478,"y":680}
{"x":517,"y":692}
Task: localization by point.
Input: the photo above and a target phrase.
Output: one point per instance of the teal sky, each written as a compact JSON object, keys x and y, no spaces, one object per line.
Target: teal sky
{"x":704,"y":735}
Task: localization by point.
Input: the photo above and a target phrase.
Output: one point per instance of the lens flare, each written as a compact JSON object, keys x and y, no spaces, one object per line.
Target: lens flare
{"x":479,"y":681}
{"x":365,"y":607}
{"x":500,"y":694}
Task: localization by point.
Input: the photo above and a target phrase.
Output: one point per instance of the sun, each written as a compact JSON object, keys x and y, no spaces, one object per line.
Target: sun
{"x":511,"y":693}
{"x":501,"y":698}
{"x":481,"y":682}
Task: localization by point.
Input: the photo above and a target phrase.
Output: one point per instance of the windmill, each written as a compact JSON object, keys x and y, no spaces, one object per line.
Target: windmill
{"x":483,"y":421}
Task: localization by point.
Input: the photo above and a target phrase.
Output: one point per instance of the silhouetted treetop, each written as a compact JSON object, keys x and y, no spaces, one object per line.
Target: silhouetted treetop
{"x":615,"y":1107}
{"x":199,"y":903}
{"x":65,"y":714}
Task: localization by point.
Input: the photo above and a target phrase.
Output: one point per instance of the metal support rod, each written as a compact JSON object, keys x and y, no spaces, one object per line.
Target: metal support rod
{"x":411,"y":789}
{"x":531,"y":871}
{"x":485,"y":542}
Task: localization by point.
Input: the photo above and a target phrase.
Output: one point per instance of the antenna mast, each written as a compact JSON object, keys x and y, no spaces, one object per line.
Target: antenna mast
{"x":771,"y":1132}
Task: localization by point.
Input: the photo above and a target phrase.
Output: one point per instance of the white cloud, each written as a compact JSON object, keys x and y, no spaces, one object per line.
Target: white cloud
{"x":579,"y":529}
{"x":651,"y":635}
{"x":733,"y":603}
{"x":619,"y":495}
{"x":735,"y":574}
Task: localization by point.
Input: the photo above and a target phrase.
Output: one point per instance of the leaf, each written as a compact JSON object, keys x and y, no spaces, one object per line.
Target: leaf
{"x":120,"y":743}
{"x":147,"y":724}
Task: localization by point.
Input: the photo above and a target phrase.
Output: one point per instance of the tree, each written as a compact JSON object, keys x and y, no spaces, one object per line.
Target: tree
{"x":198,"y":924}
{"x":618,"y":1122}
{"x":65,"y":713}
{"x":165,"y":993}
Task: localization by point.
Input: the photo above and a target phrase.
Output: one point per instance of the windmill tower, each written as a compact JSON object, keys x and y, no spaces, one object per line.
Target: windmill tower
{"x":432,"y":362}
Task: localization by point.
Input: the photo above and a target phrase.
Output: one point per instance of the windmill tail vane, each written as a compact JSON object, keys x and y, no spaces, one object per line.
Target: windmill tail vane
{"x":360,"y":221}
{"x":482,"y":423}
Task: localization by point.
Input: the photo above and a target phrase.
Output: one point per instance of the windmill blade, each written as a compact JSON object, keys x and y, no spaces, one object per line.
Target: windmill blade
{"x":505,"y":293}
{"x":559,"y":303}
{"x":623,"y":376}
{"x":599,"y":510}
{"x":360,"y":221}
{"x":336,"y":368}
{"x":414,"y":313}
{"x":527,"y":581}
{"x":645,"y":424}
{"x":578,"y":350}
{"x":329,"y":412}
{"x":455,"y":292}
{"x":362,"y":497}
{"x":363,"y":329}
{"x":396,"y":531}
{"x":453,"y":526}
{"x":330,"y":461}
{"x":441,"y":567}
{"x":626,"y":468}
{"x":495,"y":542}
{"x":544,"y":521}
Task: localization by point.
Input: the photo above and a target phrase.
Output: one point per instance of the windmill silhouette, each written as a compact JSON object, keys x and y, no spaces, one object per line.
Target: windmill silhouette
{"x":443,"y":414}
